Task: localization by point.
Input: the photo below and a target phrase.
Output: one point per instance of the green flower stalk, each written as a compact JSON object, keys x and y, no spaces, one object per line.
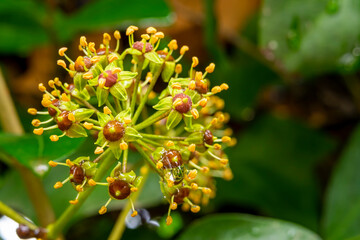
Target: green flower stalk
{"x":183,"y":140}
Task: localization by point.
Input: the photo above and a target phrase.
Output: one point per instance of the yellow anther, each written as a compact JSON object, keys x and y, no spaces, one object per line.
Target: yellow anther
{"x":41,"y":87}
{"x":127,"y":120}
{"x":221,"y":117}
{"x":170,"y":183}
{"x":71,"y":117}
{"x":152,"y":95}
{"x":217,"y":146}
{"x":178,"y":68}
{"x":195,"y":113}
{"x":54,"y":138}
{"x":107,"y":110}
{"x":102,"y":82}
{"x":88,"y":126}
{"x":151,"y":30}
{"x":205,"y":169}
{"x":173,"y":206}
{"x":210,"y":68}
{"x":159,"y":165}
{"x":145,"y":36}
{"x":58,"y":185}
{"x":46,"y":102}
{"x":224,"y":86}
{"x":195,"y":208}
{"x":192,"y":174}
{"x":52,"y":164}
{"x":129,"y":31}
{"x":198,"y":76}
{"x":106,"y":38}
{"x":124,"y":146}
{"x":117,"y":35}
{"x":64,"y":97}
{"x":35,"y":122}
{"x":91,"y":182}
{"x":184,"y":49}
{"x":159,"y":35}
{"x":88,"y":75}
{"x":102,"y":210}
{"x":112,"y":57}
{"x":110,"y":179}
{"x":192,"y":147}
{"x":73,"y":202}
{"x":32,"y":111}
{"x":170,"y":144}
{"x":134,"y":213}
{"x":38,"y":131}
{"x":216,"y":89}
{"x":57,"y":81}
{"x":195,"y":62}
{"x":99,"y":150}
{"x":61,"y":63}
{"x":134,"y":189}
{"x":95,"y":59}
{"x":177,"y":102}
{"x":203,"y":102}
{"x":153,"y":39}
{"x":69,"y":163}
{"x":176,"y":86}
{"x":194,"y":186}
{"x":92,"y":47}
{"x":51,"y":83}
{"x":79,"y":188}
{"x":83,"y":42}
{"x":227,"y":174}
{"x":192,"y":85}
{"x":206,"y":190}
{"x":225,"y":139}
{"x":133,"y":61}
{"x":173,"y":45}
{"x":62,"y":51}
{"x":169,"y":220}
{"x":224,"y":161}
{"x":115,"y":70}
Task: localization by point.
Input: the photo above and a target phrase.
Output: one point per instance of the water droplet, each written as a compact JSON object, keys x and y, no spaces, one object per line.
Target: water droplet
{"x":273,"y":45}
{"x":41,"y":169}
{"x":356,"y":51}
{"x":347,"y":61}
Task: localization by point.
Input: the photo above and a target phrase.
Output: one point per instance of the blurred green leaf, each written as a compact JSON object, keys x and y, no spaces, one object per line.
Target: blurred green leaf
{"x":168,"y":231}
{"x":35,"y":151}
{"x":112,"y":13}
{"x":311,"y":37}
{"x":245,"y":227}
{"x":273,"y":165}
{"x":342,"y":206}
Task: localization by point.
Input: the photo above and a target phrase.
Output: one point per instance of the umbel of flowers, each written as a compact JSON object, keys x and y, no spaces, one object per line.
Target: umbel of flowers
{"x":181,"y":137}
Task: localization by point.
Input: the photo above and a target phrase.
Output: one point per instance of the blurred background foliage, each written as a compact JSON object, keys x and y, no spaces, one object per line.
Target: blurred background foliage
{"x":294,"y":99}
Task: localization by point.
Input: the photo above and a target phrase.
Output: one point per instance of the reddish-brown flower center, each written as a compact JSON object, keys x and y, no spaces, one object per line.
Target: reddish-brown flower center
{"x":52,"y":112}
{"x":185,"y":105}
{"x":119,"y":189}
{"x":80,"y":68}
{"x":77,"y":173}
{"x":208,"y":137}
{"x":171,"y":159}
{"x":140,"y":45}
{"x":114,"y":130}
{"x":110,"y":78}
{"x":63,"y":121}
{"x":181,"y":194}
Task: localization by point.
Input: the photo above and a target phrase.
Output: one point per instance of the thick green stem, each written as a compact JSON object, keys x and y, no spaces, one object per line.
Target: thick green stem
{"x":161,"y":137}
{"x":145,"y":97}
{"x":56,"y":228}
{"x":136,"y":86}
{"x":7,"y":211}
{"x":148,"y":159}
{"x":152,"y":119}
{"x":125,"y":158}
{"x":119,"y":226}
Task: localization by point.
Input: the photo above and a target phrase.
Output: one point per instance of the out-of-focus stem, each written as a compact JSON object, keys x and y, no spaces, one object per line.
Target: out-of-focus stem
{"x":7,"y":211}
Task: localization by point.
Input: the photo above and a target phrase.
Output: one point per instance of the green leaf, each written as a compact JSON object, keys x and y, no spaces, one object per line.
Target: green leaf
{"x":123,"y":114}
{"x":119,"y":91}
{"x":168,"y":70}
{"x":309,"y":26}
{"x":154,"y":57}
{"x":76,"y":131}
{"x":277,"y":156}
{"x":173,"y":119}
{"x":246,"y":227}
{"x":342,"y":205}
{"x":164,"y":104}
{"x":84,"y":94}
{"x":126,"y":75}
{"x":97,"y":15}
{"x":100,"y":139}
{"x":131,"y":134}
{"x":102,"y":95}
{"x":82,"y":114}
{"x":115,"y":149}
{"x":79,"y":81}
{"x":103,"y":118}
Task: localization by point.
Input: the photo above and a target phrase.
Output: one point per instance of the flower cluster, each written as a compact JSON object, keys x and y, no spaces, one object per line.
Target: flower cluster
{"x":182,"y":139}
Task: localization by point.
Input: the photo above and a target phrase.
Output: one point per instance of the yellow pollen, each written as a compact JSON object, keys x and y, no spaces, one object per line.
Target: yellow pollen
{"x":159,"y":165}
{"x":206,"y":190}
{"x":91,"y":182}
{"x":61,"y":63}
{"x":124,"y":146}
{"x":71,"y":117}
{"x":216,"y":89}
{"x":35,"y":122}
{"x":127,"y":120}
{"x":88,"y":75}
{"x":92,"y":47}
{"x":170,"y":144}
{"x":224,"y":86}
{"x":194,"y":186}
{"x":58,"y":185}
{"x":99,"y":150}
{"x":169,"y":220}
{"x":192,"y":147}
{"x":145,"y":36}
{"x":173,"y":206}
{"x":65,"y":97}
{"x":176,"y":86}
{"x":195,"y":62}
{"x":151,"y":30}
{"x":192,"y":174}
{"x":83,"y":42}
{"x":41,"y":87}
{"x":57,"y":81}
{"x":134,"y":189}
{"x":54,"y":138}
{"x":32,"y":111}
{"x":170,"y":183}
{"x":102,"y":210}
{"x":110,"y":179}
{"x":217,"y":146}
{"x":134,"y":213}
{"x":107,"y":110}
{"x":184,"y":49}
{"x":73,"y":202}
{"x":203,"y":102}
{"x":225,"y":139}
{"x":178,"y":68}
{"x":88,"y":126}
{"x":224,"y":161}
{"x":198,"y":76}
{"x":214,"y":121}
{"x":195,"y":208}
{"x":159,"y":35}
{"x":192,"y":85}
{"x":195,"y":113}
{"x":115,"y":70}
{"x":62,"y":51}
{"x":102,"y":82}
{"x":79,"y":188}
{"x":173,"y":45}
{"x":106,"y":38}
{"x":38,"y":131}
{"x":210,"y":68}
{"x":112,"y":58}
{"x":69,"y":163}
{"x":95,"y":59}
{"x":52,"y":164}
